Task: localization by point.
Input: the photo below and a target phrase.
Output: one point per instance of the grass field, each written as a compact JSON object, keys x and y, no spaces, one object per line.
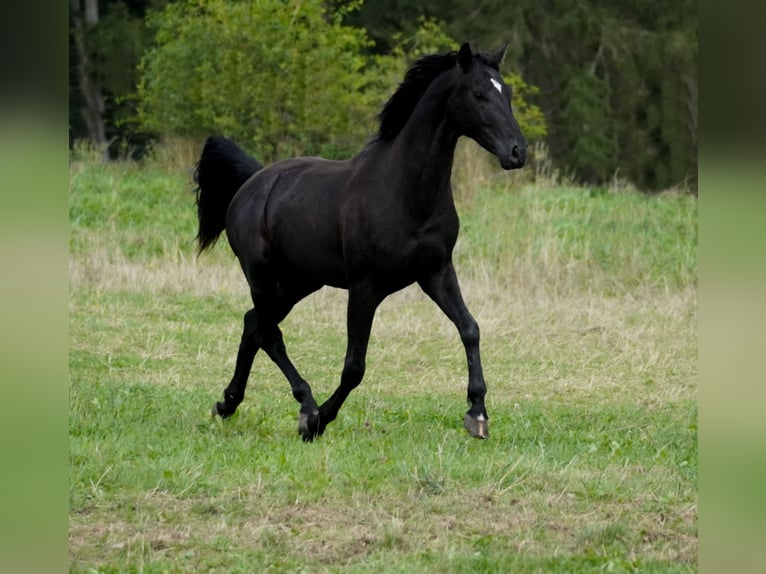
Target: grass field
{"x":587,"y":302}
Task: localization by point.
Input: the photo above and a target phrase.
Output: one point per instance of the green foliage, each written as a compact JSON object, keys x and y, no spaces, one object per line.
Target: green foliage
{"x":284,"y":79}
{"x":428,"y":38}
{"x":528,"y":114}
{"x":591,"y":148}
{"x":617,"y":81}
{"x":618,"y":88}
{"x":119,"y":40}
{"x":115,"y":46}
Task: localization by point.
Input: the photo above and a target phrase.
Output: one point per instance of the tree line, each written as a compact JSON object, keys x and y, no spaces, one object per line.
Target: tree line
{"x":610,"y":87}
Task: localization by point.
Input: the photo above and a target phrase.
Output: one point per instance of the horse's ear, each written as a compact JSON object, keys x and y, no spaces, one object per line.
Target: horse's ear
{"x":496,"y":58}
{"x":465,"y":57}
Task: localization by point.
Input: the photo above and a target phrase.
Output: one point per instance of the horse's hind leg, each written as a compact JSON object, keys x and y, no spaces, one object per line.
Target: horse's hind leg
{"x":248,"y":347}
{"x":272,"y":303}
{"x":260,"y":331}
{"x":274,"y":346}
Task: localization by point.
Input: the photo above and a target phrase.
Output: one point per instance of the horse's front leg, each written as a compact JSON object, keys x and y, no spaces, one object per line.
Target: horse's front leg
{"x":444,"y":289}
{"x":362,"y":303}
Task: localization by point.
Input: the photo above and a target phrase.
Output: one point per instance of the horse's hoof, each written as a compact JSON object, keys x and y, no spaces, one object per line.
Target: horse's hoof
{"x":308,"y":426}
{"x":219,"y":410}
{"x":477,"y":427}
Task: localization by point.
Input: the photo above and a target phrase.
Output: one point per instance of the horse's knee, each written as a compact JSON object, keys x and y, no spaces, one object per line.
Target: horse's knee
{"x":469,"y":334}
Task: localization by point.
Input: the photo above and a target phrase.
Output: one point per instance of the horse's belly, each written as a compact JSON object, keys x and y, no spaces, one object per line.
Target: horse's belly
{"x":315,"y":262}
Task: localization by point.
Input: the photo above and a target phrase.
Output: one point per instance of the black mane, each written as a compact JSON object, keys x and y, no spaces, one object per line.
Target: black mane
{"x":401,"y":104}
{"x":420,"y":75}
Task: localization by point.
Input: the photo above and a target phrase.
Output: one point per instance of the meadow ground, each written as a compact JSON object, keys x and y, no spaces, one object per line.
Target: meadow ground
{"x":587,"y":301}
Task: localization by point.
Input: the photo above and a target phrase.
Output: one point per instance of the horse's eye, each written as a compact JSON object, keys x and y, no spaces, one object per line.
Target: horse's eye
{"x":479,"y":95}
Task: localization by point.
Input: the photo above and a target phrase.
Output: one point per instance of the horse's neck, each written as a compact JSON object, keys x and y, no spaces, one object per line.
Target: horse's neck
{"x":426,"y":146}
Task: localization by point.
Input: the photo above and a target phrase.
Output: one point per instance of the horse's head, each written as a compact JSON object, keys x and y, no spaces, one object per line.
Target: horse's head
{"x":480,"y":107}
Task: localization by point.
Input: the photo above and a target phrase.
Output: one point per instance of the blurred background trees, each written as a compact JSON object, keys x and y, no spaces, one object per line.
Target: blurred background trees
{"x":609,"y":87}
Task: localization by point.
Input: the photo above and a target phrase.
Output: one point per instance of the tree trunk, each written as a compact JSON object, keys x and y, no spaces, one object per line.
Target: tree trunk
{"x":93,"y":111}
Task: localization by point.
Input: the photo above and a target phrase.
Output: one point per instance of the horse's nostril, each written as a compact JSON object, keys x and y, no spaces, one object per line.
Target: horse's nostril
{"x":515,"y":152}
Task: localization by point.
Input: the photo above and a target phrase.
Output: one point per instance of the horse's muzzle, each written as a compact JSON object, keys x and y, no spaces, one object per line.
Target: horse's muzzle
{"x":515,"y":159}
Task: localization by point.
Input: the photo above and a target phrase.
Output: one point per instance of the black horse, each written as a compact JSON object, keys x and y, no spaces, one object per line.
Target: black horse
{"x":372,"y":224}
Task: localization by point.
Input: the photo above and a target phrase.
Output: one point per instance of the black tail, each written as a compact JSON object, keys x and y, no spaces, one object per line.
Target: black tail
{"x":221,"y":170}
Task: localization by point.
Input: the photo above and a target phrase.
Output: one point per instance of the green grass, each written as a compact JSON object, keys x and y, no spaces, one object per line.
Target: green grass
{"x":587,"y":303}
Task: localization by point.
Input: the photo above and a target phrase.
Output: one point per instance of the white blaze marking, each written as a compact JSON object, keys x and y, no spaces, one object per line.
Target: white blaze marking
{"x":498,"y":85}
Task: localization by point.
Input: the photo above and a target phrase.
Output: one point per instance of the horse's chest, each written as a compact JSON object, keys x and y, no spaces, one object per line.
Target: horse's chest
{"x":402,"y":252}
{"x":429,"y":249}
